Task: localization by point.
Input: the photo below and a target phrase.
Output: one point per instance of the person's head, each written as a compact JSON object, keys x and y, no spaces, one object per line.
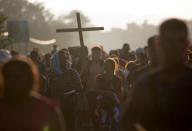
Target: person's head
{"x":126,"y":47}
{"x":96,"y":53}
{"x":14,"y":54}
{"x":36,"y":49}
{"x":20,"y":76}
{"x":152,"y":49}
{"x":110,"y":65}
{"x":47,"y":56}
{"x":120,"y":63}
{"x":103,"y":52}
{"x":173,"y":41}
{"x":54,"y":47}
{"x":114,"y":53}
{"x":65,"y":58}
{"x":34,"y":56}
{"x":133,"y":55}
{"x":141,"y":56}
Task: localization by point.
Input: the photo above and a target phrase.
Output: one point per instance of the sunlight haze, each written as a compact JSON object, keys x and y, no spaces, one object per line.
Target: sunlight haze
{"x":116,"y":13}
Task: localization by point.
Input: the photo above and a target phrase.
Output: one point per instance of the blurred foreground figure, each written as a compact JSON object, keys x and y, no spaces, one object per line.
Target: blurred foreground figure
{"x":162,"y":100}
{"x":21,"y":108}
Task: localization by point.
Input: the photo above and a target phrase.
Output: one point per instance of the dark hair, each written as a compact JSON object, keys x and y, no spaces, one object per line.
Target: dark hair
{"x":126,"y":45}
{"x":64,"y":49}
{"x":96,"y":48}
{"x":151,"y":41}
{"x":13,"y":52}
{"x":113,"y":53}
{"x":20,"y":76}
{"x":34,"y":53}
{"x":112,"y":62}
{"x":173,"y":34}
{"x":146,"y":47}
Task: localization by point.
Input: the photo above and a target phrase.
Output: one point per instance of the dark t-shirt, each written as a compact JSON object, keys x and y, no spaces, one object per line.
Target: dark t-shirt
{"x":63,"y":87}
{"x":162,"y":101}
{"x":126,"y":55}
{"x":114,"y":85}
{"x":38,"y":114}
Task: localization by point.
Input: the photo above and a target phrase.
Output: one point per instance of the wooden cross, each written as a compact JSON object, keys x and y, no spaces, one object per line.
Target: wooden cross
{"x":79,"y":29}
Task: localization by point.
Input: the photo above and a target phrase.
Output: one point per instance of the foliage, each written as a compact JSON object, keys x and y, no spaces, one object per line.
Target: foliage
{"x":42,"y":23}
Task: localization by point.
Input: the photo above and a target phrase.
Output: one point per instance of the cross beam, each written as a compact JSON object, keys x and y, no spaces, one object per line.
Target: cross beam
{"x":82,"y":29}
{"x":79,"y":29}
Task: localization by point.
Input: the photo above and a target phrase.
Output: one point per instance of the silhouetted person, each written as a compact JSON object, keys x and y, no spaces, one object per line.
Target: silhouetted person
{"x":47,"y":63}
{"x":141,"y":62}
{"x":125,"y":52}
{"x":34,"y":55}
{"x":162,"y":100}
{"x":153,"y":55}
{"x":64,"y":84}
{"x":54,"y":50}
{"x":141,"y":57}
{"x":104,"y":54}
{"x":146,"y":49}
{"x":110,"y":86}
{"x":108,"y":81}
{"x":22,"y":108}
{"x":121,"y":73}
{"x":92,"y":68}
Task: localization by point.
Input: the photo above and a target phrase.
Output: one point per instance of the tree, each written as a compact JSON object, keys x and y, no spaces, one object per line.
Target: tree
{"x":42,"y":23}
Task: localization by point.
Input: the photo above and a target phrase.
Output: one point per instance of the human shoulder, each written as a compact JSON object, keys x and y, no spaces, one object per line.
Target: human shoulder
{"x":146,"y":80}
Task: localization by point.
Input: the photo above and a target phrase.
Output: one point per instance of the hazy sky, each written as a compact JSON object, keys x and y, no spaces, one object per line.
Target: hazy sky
{"x":116,"y":13}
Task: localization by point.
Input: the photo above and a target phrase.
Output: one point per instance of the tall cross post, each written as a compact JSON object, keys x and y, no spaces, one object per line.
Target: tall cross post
{"x":79,"y":29}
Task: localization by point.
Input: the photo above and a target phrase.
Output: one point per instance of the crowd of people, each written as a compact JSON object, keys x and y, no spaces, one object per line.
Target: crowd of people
{"x":123,"y":90}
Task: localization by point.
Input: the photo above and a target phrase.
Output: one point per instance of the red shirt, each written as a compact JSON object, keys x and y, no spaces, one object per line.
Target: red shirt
{"x":38,"y":114}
